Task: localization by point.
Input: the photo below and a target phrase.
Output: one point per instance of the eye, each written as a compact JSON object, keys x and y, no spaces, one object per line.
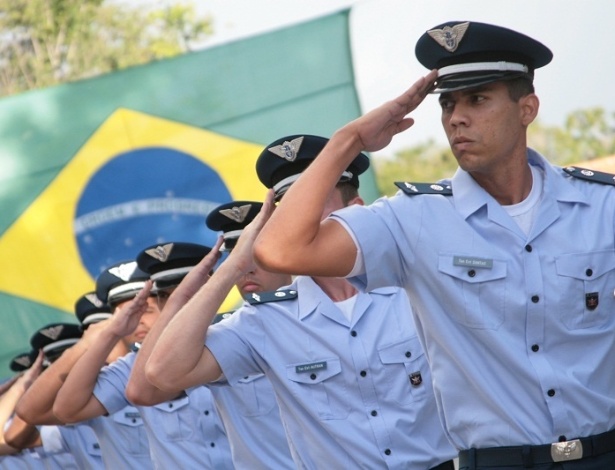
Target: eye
{"x":446,"y":104}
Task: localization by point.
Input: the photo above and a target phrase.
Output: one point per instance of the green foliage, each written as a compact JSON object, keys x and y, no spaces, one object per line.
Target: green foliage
{"x":428,"y":162}
{"x":46,"y":42}
{"x":586,"y":134}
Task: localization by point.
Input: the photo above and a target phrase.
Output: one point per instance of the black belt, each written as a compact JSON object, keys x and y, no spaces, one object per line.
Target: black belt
{"x":526,"y":456}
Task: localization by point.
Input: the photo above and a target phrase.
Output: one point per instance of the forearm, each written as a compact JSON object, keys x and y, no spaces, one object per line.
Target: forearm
{"x":36,"y":405}
{"x":173,"y":368}
{"x":21,"y":435}
{"x":78,"y":388}
{"x":7,"y":404}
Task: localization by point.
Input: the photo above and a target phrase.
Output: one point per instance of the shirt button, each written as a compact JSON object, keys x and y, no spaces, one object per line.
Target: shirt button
{"x":213,"y":444}
{"x":363,"y":373}
{"x":408,"y":354}
{"x":387,"y":451}
{"x":170,"y":405}
{"x":535,"y":299}
{"x":551,"y":392}
{"x":589,"y":272}
{"x":353,"y":333}
{"x":205,"y":412}
{"x":374,"y":413}
{"x":528,"y":248}
{"x":134,"y":420}
{"x":313,"y":376}
{"x":562,"y":439}
{"x":535,"y":347}
{"x":471,"y":273}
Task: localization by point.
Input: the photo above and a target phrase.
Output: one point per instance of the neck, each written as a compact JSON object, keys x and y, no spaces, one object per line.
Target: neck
{"x":507,"y":187}
{"x":337,"y":289}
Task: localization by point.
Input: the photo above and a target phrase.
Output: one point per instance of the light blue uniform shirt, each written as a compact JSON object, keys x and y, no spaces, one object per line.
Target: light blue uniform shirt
{"x":517,"y":353}
{"x":122,"y":439}
{"x":27,"y":459}
{"x":251,"y":418}
{"x":183,"y":433}
{"x":78,"y":440}
{"x":345,"y":388}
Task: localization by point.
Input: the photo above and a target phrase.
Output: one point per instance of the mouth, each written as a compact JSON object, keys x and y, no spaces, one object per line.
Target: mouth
{"x":250,"y":287}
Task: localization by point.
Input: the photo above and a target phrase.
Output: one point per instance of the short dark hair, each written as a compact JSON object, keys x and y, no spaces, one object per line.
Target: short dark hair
{"x":347,"y":191}
{"x":519,"y":87}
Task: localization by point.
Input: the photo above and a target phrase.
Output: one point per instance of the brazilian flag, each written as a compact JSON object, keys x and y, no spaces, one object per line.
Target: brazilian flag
{"x":92,"y":172}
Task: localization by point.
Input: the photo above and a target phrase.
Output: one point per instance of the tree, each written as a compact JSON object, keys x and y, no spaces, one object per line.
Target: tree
{"x":586,"y":134}
{"x":46,"y":42}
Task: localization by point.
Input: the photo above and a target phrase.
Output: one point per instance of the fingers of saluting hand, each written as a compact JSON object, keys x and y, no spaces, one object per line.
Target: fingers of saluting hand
{"x":413,"y":96}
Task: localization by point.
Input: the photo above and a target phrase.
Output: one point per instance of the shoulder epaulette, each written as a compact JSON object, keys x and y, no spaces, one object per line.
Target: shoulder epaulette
{"x":591,"y":175}
{"x":271,"y":296}
{"x":413,"y":189}
{"x":221,"y":316}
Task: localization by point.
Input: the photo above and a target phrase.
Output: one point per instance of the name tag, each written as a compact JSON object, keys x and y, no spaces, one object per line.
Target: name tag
{"x":311,"y":367}
{"x":471,"y":262}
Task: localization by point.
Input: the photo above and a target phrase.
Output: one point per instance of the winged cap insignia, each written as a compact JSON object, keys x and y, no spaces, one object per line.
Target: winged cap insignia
{"x":288,"y":150}
{"x":94,"y":300}
{"x":237,"y":214}
{"x":124,"y":271}
{"x":24,"y":361}
{"x":53,"y":332}
{"x":161,"y":252}
{"x":449,"y":37}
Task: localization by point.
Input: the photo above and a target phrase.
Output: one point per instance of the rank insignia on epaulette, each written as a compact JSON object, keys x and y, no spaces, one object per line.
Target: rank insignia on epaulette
{"x":590,"y":175}
{"x":271,"y":296}
{"x":412,"y":189}
{"x":221,"y":316}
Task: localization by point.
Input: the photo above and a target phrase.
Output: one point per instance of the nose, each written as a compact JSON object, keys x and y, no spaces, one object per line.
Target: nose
{"x":458,"y":116}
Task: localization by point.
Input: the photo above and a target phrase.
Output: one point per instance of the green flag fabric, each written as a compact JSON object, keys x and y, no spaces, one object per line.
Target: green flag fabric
{"x":94,"y":171}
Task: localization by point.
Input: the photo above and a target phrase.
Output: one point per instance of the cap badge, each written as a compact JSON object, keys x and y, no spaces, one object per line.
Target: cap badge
{"x":124,"y":271}
{"x":24,"y":361}
{"x":161,"y":252}
{"x":53,"y":332}
{"x":94,"y":300}
{"x":449,"y":37}
{"x":288,"y":150}
{"x":237,"y":214}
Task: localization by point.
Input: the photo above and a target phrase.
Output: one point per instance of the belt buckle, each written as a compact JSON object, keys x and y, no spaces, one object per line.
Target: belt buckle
{"x":567,"y":450}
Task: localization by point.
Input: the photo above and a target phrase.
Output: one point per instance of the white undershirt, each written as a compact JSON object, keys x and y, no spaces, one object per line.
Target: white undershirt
{"x":347,"y":306}
{"x":524,"y":212}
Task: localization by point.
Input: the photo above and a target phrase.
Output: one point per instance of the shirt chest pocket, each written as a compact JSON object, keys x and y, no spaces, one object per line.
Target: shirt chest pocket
{"x":172,"y":419}
{"x":130,"y":432}
{"x":585,"y":288}
{"x":257,"y":398}
{"x":478,"y":294}
{"x":406,"y":372}
{"x":319,"y":385}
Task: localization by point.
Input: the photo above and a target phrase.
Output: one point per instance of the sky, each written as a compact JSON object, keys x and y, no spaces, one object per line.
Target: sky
{"x":384,"y":33}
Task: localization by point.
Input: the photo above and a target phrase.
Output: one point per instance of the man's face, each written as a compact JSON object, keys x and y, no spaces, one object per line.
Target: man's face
{"x":145,"y":323}
{"x":259,"y":280}
{"x":483,"y":125}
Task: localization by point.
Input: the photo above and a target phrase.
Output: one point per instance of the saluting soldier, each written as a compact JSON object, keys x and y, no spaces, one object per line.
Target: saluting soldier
{"x":510,"y":264}
{"x":349,"y":373}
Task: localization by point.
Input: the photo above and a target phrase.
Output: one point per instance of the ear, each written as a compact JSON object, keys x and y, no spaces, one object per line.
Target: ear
{"x":528,"y":106}
{"x":356,"y":200}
